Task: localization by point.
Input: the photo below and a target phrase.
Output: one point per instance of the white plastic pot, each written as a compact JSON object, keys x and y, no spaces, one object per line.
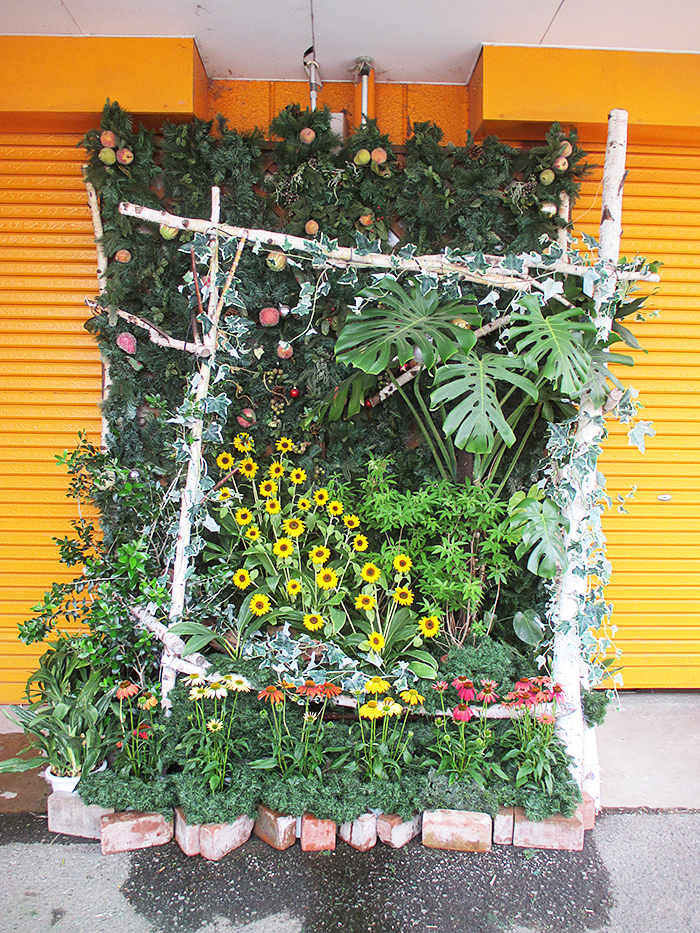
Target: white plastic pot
{"x":66,"y":785}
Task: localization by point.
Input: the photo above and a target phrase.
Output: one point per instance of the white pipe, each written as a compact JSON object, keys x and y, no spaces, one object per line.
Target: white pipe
{"x":313,"y":86}
{"x":364,"y":105}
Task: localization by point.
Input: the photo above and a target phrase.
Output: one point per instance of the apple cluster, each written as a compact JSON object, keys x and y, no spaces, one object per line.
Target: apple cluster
{"x":111,"y":153}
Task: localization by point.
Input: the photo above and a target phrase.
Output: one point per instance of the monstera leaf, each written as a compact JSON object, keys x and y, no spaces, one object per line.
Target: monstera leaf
{"x":372,"y":338}
{"x":553,"y":344}
{"x":540,"y":524}
{"x":599,"y":375}
{"x":470,"y":381}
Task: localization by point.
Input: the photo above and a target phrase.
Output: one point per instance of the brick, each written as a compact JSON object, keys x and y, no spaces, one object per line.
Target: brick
{"x":69,"y":815}
{"x":503,"y":827}
{"x":361,"y":834}
{"x":556,"y":832}
{"x":457,"y":830}
{"x":186,"y":835}
{"x":218,"y":839}
{"x":587,"y":810}
{"x":124,"y":832}
{"x":316,"y":835}
{"x":276,"y":830}
{"x":395,"y":832}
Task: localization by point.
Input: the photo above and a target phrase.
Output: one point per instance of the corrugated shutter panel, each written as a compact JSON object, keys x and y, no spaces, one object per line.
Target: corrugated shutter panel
{"x":655,"y":549}
{"x":50,"y":374}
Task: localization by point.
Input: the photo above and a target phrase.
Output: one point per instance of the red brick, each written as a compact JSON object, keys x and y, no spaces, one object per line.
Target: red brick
{"x":316,"y":835}
{"x":276,"y":830}
{"x":69,"y":815}
{"x":458,"y":830}
{"x":556,"y":832}
{"x":503,"y":827}
{"x":186,"y":835}
{"x":124,"y":832}
{"x":395,"y":832}
{"x":587,"y":810}
{"x":361,"y":834}
{"x":218,"y":839}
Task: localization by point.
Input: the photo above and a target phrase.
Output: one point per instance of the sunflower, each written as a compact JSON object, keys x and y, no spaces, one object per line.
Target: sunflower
{"x":376,"y":641}
{"x":403,"y":596}
{"x":370,"y":572}
{"x":365,"y":601}
{"x":225,"y":461}
{"x":276,"y":470}
{"x":321,"y":496}
{"x":335,"y":507}
{"x":267,"y":488}
{"x":244,"y":516}
{"x":293,"y":587}
{"x":273,"y":506}
{"x":241,"y":579}
{"x":304,"y":504}
{"x":313,"y":621}
{"x":319,"y":554}
{"x":260,"y":604}
{"x":224,"y":494}
{"x":429,"y":626}
{"x":371,"y":710}
{"x":284,"y":445}
{"x":360,"y":543}
{"x":284,"y":547}
{"x":297,"y":476}
{"x":412,"y":697}
{"x":293,"y":527}
{"x":327,"y":578}
{"x":376,"y":685}
{"x":402,"y":563}
{"x":248,"y":467}
{"x":351,"y":522}
{"x":243,"y":443}
{"x":253,"y":533}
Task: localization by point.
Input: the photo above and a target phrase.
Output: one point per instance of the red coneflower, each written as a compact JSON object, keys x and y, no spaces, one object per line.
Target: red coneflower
{"x":126,"y":689}
{"x":487,"y":694}
{"x":464,"y":687}
{"x":462,"y":712}
{"x":311,"y":689}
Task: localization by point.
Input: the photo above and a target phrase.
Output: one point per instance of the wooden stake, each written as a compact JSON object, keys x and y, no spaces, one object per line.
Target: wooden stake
{"x":155,"y":334}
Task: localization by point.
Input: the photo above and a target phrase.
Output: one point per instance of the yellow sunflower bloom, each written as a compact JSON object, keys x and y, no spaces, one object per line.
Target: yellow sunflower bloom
{"x":313,"y":621}
{"x":360,"y":543}
{"x":260,"y":604}
{"x":224,"y":494}
{"x":327,"y":578}
{"x":267,"y":488}
{"x":253,"y":533}
{"x":293,"y":527}
{"x":276,"y":470}
{"x":293,"y":587}
{"x":283,"y":548}
{"x":376,"y":641}
{"x":243,"y":443}
{"x":241,"y":579}
{"x":304,"y":504}
{"x":273,"y":506}
{"x":225,"y":461}
{"x":370,"y":572}
{"x":402,"y":563}
{"x":335,"y":507}
{"x":376,"y":685}
{"x":321,"y":496}
{"x":244,"y":516}
{"x":351,"y":522}
{"x":371,"y":710}
{"x":297,"y":476}
{"x":365,"y":601}
{"x":284,"y":445}
{"x":319,"y":554}
{"x":248,"y":467}
{"x":403,"y":596}
{"x":429,"y":626}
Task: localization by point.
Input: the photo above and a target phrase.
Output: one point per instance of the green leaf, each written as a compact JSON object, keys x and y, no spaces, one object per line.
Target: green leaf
{"x":371,"y":339}
{"x":540,"y":525}
{"x":423,"y":670}
{"x":470,"y":381}
{"x":528,"y":627}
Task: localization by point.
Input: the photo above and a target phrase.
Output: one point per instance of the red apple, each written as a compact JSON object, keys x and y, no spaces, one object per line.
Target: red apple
{"x":285,"y":351}
{"x":268,"y":317}
{"x":379,"y":155}
{"x":311,"y":228}
{"x":307,"y":135}
{"x":561,"y":164}
{"x":108,"y":139}
{"x":122,"y":255}
{"x":125,"y":156}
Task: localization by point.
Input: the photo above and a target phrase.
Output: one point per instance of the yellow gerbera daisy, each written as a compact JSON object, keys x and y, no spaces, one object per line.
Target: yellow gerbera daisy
{"x":244,"y":516}
{"x":272,"y":506}
{"x":283,"y":548}
{"x":224,"y":494}
{"x":293,"y":587}
{"x":351,"y":521}
{"x":293,"y":527}
{"x":304,"y":504}
{"x":376,"y":641}
{"x":267,"y":488}
{"x":403,"y":596}
{"x":284,"y":445}
{"x":241,"y":579}
{"x":319,"y":554}
{"x":412,"y":697}
{"x":360,"y":543}
{"x":313,"y":621}
{"x":248,"y":467}
{"x":365,"y":601}
{"x":253,"y":533}
{"x":225,"y":461}
{"x":243,"y":443}
{"x":297,"y":476}
{"x":402,"y":563}
{"x":276,"y":470}
{"x":370,"y":572}
{"x":335,"y":507}
{"x":260,"y":604}
{"x":327,"y":578}
{"x":321,"y":496}
{"x":429,"y":626}
{"x":376,"y":684}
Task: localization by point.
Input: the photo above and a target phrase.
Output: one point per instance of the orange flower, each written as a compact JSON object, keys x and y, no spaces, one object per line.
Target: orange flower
{"x":126,"y":689}
{"x":311,"y":689}
{"x":272,"y":694}
{"x":331,"y":690}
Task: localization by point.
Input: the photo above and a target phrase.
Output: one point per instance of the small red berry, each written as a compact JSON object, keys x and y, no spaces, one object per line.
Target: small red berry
{"x":368,"y":403}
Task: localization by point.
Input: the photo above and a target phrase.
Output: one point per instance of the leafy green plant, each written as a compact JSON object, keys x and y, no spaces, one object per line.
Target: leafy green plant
{"x":141,"y":745}
{"x":111,"y":789}
{"x":531,"y":741}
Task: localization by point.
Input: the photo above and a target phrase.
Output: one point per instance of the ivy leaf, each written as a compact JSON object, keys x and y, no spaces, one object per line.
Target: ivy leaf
{"x":471,"y":382}
{"x":636,"y":435}
{"x":556,"y":340}
{"x":372,"y":338}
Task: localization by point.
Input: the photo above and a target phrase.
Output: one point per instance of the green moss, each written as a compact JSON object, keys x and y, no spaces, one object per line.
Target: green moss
{"x":201,"y":806}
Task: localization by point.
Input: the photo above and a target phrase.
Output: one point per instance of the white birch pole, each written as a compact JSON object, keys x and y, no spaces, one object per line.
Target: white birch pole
{"x":569,"y":669}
